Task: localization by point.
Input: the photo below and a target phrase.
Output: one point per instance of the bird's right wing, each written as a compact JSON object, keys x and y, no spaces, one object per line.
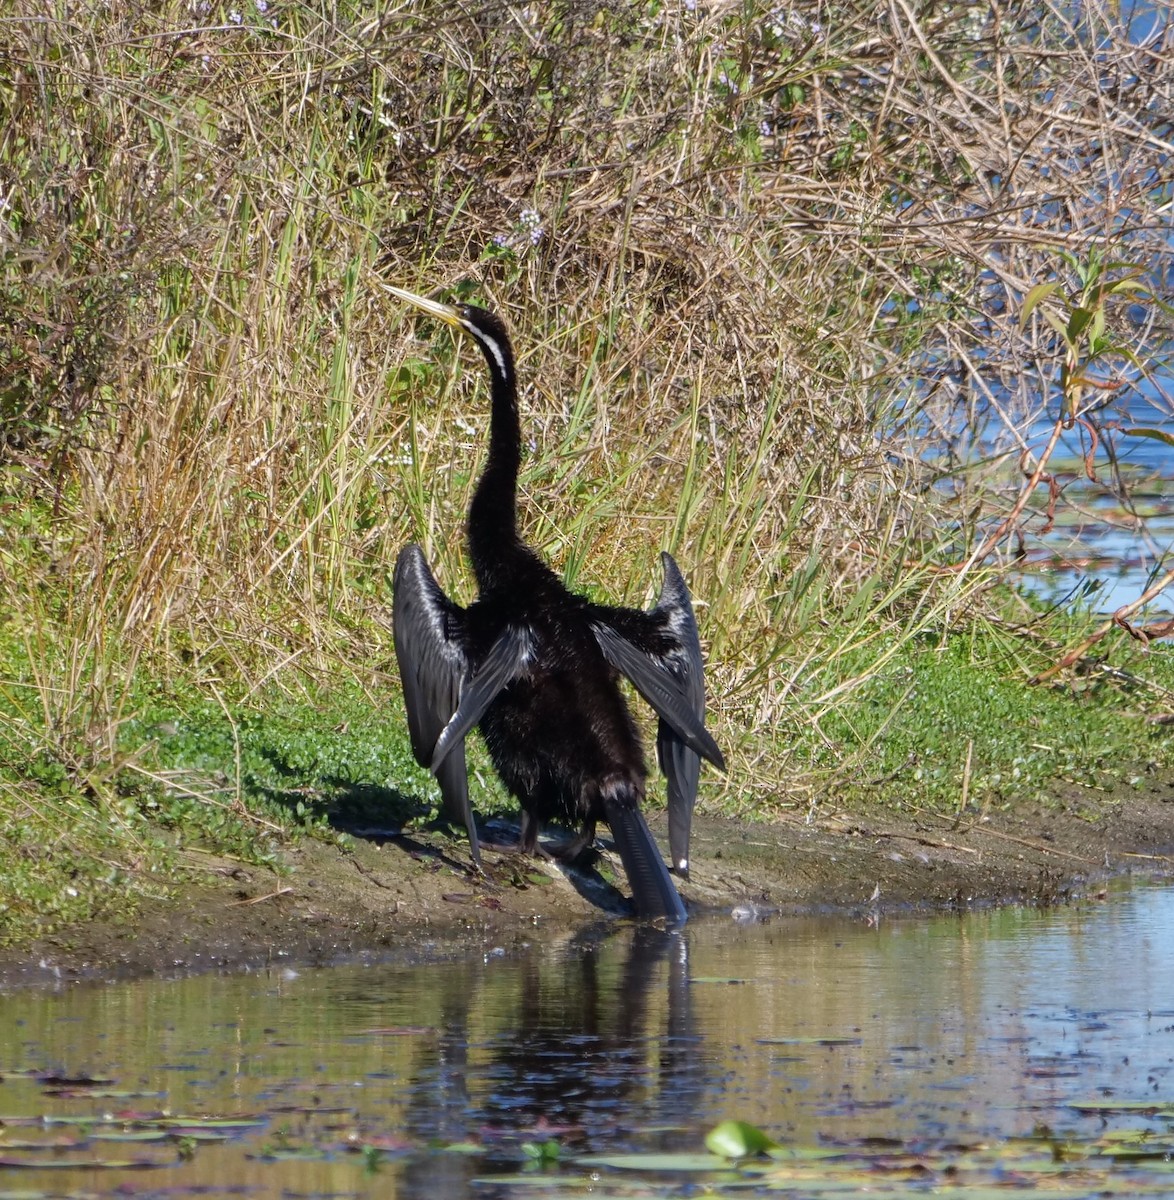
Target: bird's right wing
{"x":429,"y":647}
{"x":660,"y":652}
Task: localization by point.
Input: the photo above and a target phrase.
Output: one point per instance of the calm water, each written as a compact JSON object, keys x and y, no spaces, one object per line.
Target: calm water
{"x":934,"y":1032}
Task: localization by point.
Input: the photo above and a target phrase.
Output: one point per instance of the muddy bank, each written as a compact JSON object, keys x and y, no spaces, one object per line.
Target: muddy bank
{"x":413,"y":896}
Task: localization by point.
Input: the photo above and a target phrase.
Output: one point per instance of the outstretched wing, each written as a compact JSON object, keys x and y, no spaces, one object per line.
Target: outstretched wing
{"x":660,"y":652}
{"x":429,"y":647}
{"x":506,"y":660}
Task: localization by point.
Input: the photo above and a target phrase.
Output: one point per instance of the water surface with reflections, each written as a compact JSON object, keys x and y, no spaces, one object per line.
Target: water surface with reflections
{"x":937,"y":1032}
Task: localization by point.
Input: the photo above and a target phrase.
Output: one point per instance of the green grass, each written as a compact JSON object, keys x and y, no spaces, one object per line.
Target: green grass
{"x":757,"y":298}
{"x":940,"y":714}
{"x":943,"y":721}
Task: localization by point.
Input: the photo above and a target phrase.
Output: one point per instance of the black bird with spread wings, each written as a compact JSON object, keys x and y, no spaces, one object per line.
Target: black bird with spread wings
{"x":535,"y":667}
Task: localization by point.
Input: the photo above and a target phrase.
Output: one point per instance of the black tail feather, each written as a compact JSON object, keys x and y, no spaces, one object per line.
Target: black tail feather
{"x":652,"y":887}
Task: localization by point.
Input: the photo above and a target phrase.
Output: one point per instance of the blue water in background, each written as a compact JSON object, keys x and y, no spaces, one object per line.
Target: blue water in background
{"x":1101,"y":554}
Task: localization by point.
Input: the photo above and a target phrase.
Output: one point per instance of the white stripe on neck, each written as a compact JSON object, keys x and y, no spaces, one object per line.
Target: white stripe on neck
{"x":493,"y":347}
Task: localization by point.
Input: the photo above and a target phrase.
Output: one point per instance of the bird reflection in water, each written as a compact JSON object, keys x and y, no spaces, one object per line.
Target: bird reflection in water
{"x":582,"y":1047}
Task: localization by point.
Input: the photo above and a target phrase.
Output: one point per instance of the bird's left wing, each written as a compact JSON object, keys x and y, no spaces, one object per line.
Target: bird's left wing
{"x":660,"y":652}
{"x":430,"y":650}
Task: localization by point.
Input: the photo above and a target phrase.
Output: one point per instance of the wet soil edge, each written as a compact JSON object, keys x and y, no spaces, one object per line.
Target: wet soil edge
{"x":414,"y":898}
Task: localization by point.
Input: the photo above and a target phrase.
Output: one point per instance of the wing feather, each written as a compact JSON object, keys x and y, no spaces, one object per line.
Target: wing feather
{"x":660,"y":652}
{"x":429,"y":647}
{"x":503,"y":664}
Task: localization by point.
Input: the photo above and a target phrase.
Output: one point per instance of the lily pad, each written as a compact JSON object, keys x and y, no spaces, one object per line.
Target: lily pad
{"x":397,"y":1031}
{"x":187,"y":1124}
{"x":1161,"y":1108}
{"x":737,"y":1139}
{"x":830,"y":1040}
{"x":660,"y":1163}
{"x":131,"y":1135}
{"x":83,"y":1164}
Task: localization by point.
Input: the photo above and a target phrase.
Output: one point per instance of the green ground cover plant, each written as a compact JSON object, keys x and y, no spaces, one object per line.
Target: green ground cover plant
{"x":793,"y":290}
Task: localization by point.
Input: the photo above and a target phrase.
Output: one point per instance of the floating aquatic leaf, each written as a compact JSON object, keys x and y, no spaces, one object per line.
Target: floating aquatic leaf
{"x":1139,"y":1153}
{"x":190,"y":1123}
{"x":1122,"y":1137}
{"x":397,"y":1031}
{"x":73,"y":1093}
{"x":47,"y":1119}
{"x":811,"y":1041}
{"x":131,"y":1135}
{"x":803,"y":1154}
{"x":660,"y":1163}
{"x":83,"y":1164}
{"x":1160,"y":1108}
{"x":737,"y":1139}
{"x":73,"y":1081}
{"x":312,"y":1109}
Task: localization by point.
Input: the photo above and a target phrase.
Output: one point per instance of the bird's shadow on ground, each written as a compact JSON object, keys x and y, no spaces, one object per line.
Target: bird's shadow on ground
{"x":389,"y":817}
{"x":585,"y":874}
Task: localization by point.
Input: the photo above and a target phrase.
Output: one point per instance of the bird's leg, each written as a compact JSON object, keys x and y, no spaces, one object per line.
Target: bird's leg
{"x":566,"y":852}
{"x":528,"y":839}
{"x":528,"y":844}
{"x":578,"y":846}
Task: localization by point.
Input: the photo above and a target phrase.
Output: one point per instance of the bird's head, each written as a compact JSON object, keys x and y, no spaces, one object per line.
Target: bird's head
{"x":487,"y":327}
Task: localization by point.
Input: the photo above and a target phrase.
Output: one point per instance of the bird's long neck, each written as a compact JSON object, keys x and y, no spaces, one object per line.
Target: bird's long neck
{"x":495,"y":547}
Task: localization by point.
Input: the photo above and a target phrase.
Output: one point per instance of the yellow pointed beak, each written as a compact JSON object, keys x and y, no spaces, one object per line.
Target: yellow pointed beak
{"x":443,"y":312}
